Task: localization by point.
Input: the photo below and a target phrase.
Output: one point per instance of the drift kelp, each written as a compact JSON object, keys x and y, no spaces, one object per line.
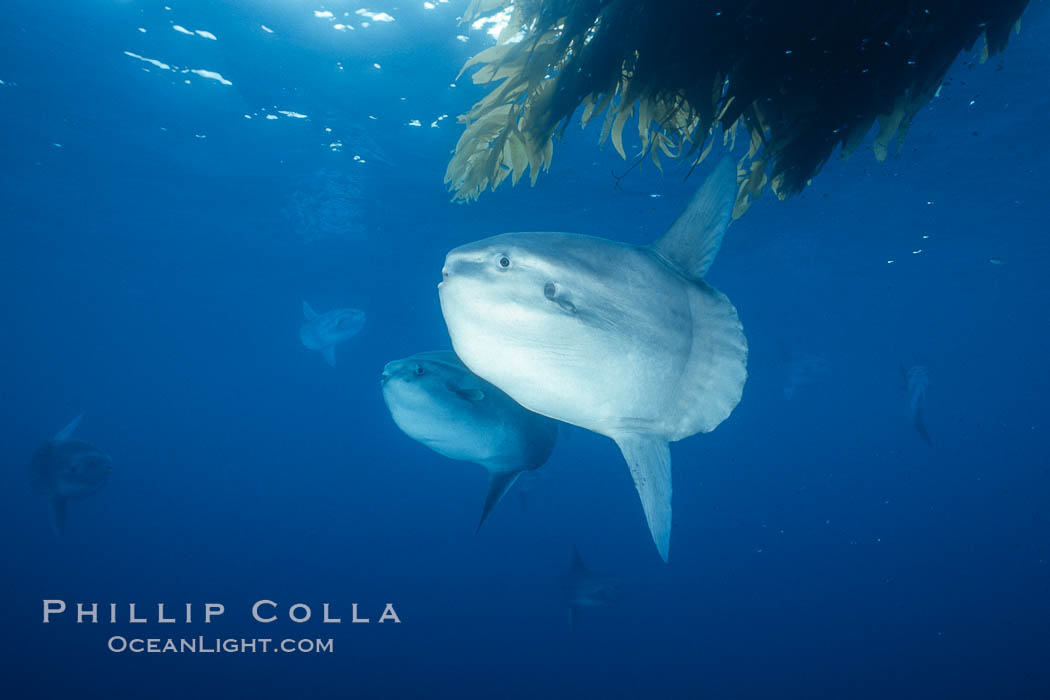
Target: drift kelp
{"x":796,"y":80}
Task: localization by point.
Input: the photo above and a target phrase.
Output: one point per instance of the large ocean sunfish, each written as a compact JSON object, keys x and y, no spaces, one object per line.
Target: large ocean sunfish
{"x":64,"y":469}
{"x":325,"y":331}
{"x":627,"y":341}
{"x":436,"y":400}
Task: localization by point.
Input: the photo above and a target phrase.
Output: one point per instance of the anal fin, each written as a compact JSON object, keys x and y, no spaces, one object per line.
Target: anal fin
{"x":499,"y":484}
{"x":649,"y":459}
{"x":58,"y":515}
{"x":329,"y":355}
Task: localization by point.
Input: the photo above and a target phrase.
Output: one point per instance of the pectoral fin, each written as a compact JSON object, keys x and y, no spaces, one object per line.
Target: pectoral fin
{"x":649,"y":460}
{"x":58,"y":515}
{"x":329,"y":355}
{"x":468,"y":394}
{"x":499,"y":483}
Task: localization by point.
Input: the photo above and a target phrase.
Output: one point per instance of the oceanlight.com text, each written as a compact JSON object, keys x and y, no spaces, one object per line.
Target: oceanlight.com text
{"x":218,"y":645}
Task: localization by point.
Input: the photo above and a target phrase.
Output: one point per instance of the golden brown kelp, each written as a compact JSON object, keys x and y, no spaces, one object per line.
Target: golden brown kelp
{"x":795,"y":79}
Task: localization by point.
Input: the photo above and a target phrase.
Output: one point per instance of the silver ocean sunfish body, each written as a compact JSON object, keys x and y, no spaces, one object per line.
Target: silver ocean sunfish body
{"x":434,"y":399}
{"x":627,"y":341}
{"x":325,"y":331}
{"x":64,"y":469}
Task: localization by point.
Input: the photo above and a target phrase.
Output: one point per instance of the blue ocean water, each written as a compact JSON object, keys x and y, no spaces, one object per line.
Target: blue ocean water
{"x":160,"y":232}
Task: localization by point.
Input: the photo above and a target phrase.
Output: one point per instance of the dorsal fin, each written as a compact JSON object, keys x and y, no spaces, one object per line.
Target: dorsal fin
{"x":309,"y":313}
{"x":576,"y":564}
{"x":693,"y":240}
{"x":67,"y":432}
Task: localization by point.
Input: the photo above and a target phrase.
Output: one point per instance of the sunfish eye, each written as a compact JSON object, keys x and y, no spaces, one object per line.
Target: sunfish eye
{"x":549,"y":290}
{"x":504,"y":261}
{"x":419,"y":370}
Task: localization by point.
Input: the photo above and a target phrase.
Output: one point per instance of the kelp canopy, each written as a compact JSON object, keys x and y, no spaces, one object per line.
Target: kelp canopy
{"x":796,"y":79}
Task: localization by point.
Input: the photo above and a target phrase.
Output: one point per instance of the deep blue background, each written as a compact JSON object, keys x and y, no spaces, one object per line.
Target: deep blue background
{"x":152,"y":277}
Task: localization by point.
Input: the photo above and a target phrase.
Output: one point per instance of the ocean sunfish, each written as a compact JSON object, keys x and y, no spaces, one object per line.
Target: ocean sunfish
{"x":803,"y":369}
{"x":627,"y":341}
{"x":64,"y":469}
{"x":324,"y":331}
{"x":586,"y":588}
{"x":437,"y":401}
{"x":917,"y":380}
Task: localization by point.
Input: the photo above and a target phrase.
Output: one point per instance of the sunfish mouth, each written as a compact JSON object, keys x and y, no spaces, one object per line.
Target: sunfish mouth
{"x":462,"y":260}
{"x":385,"y":376}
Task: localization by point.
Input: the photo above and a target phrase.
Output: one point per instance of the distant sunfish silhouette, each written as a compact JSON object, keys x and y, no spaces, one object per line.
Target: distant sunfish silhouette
{"x":803,"y":369}
{"x":918,"y":380}
{"x":324,"y":331}
{"x":64,"y":469}
{"x":627,"y":341}
{"x":585,"y":588}
{"x":436,"y":400}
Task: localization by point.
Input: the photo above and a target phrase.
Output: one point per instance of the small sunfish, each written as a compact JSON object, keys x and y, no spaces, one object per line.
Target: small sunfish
{"x":437,"y":401}
{"x":325,"y":331}
{"x":64,"y":469}
{"x":918,"y":380}
{"x":803,"y":369}
{"x":585,"y":588}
